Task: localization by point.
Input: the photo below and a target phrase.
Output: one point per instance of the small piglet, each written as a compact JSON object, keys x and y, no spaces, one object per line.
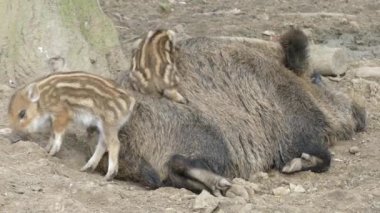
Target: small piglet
{"x":153,"y":66}
{"x":62,"y":98}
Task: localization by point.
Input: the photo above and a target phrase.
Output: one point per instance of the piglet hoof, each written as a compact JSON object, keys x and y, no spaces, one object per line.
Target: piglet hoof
{"x":110,"y":175}
{"x":183,"y":101}
{"x":180,"y":99}
{"x":87,"y":168}
{"x":47,"y":148}
{"x":174,"y":95}
{"x":53,"y":151}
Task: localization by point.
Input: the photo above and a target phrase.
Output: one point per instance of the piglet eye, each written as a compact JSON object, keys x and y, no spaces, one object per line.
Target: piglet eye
{"x":22,"y":114}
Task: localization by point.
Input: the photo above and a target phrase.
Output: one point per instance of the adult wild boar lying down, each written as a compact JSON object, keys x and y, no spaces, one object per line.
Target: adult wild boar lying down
{"x":249,"y":110}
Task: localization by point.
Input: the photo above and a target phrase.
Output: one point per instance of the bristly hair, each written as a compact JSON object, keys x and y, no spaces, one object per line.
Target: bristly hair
{"x":295,"y":45}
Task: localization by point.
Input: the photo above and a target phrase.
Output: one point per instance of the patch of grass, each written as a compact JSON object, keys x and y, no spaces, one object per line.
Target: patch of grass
{"x":165,"y":7}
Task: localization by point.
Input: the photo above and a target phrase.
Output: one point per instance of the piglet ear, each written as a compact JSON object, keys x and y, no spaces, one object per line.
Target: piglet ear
{"x":33,"y":92}
{"x":136,"y":43}
{"x":172,"y":36}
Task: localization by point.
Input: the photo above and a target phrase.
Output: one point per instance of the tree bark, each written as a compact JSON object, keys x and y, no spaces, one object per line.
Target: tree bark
{"x":42,"y":36}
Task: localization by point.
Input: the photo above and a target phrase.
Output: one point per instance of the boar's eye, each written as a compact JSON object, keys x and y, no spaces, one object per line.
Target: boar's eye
{"x":22,"y":114}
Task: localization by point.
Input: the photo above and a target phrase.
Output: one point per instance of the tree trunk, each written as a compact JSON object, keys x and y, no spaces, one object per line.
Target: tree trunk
{"x":42,"y":36}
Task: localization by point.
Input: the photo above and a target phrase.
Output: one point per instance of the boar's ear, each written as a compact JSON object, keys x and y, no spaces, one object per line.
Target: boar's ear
{"x":33,"y":92}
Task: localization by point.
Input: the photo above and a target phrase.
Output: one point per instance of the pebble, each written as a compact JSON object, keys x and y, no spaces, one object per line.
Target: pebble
{"x":268,"y":33}
{"x":12,"y":83}
{"x":299,"y":189}
{"x":237,"y":190}
{"x":206,"y":201}
{"x":367,"y":72}
{"x":5,"y":131}
{"x":170,"y":210}
{"x":36,"y":188}
{"x":264,"y":175}
{"x":353,"y":150}
{"x":19,"y":191}
{"x":263,"y":16}
{"x":292,"y":186}
{"x":354,"y":25}
{"x":281,"y":190}
{"x":247,"y":208}
{"x":258,"y":177}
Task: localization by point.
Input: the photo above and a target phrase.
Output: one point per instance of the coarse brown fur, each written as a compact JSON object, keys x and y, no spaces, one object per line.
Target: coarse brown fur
{"x":295,"y":46}
{"x":247,"y":113}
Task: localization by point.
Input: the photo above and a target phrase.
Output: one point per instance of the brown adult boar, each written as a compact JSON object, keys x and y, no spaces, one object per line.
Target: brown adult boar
{"x":248,"y":112}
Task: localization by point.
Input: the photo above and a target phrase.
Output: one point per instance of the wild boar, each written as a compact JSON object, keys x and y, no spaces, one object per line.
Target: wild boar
{"x":247,"y":112}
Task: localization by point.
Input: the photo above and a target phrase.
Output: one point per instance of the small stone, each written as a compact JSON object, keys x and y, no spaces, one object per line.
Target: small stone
{"x":36,"y":188}
{"x":237,"y":190}
{"x":313,"y":189}
{"x":367,"y":72}
{"x":296,"y":188}
{"x":359,"y":42}
{"x":263,"y":175}
{"x":12,"y":83}
{"x":281,"y":190}
{"x":170,"y":210}
{"x":231,"y":204}
{"x":299,"y":189}
{"x":263,"y":17}
{"x":354,"y":25}
{"x":343,"y":21}
{"x":259,"y":176}
{"x":206,"y":201}
{"x":268,"y":33}
{"x":353,"y":150}
{"x":292,"y":186}
{"x":19,"y":191}
{"x":247,"y":208}
{"x":5,"y":131}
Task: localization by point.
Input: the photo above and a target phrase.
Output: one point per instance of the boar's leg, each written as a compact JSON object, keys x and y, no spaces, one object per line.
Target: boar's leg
{"x":305,"y":162}
{"x":180,"y":181}
{"x":314,"y":157}
{"x":195,"y":175}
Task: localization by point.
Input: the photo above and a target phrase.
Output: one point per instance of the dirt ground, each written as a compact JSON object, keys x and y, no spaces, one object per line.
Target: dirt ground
{"x":31,"y":181}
